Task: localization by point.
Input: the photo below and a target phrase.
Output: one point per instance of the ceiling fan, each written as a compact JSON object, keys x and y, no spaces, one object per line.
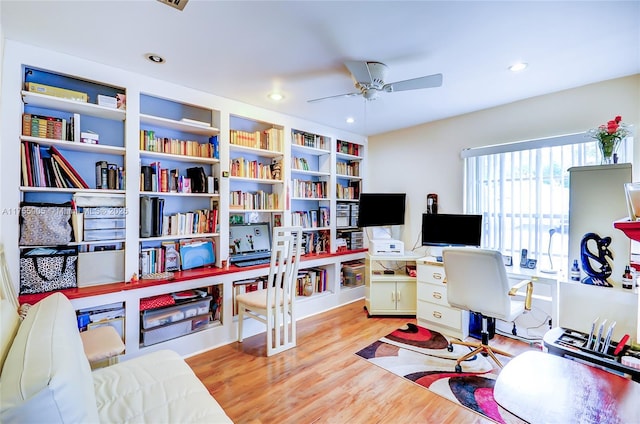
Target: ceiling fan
{"x":369,"y":78}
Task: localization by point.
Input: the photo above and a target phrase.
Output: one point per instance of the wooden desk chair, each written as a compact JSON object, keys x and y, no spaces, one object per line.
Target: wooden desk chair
{"x":275,"y":306}
{"x":477,"y":281}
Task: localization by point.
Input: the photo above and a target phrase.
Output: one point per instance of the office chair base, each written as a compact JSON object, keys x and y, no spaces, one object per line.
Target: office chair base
{"x":482,"y":348}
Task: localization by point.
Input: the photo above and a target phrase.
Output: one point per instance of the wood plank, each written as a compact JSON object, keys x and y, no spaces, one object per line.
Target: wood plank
{"x":322,"y":380}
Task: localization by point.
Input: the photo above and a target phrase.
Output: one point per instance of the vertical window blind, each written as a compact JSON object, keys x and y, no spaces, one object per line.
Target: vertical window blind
{"x":522,"y":191}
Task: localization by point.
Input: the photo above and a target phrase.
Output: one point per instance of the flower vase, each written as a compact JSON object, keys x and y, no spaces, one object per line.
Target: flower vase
{"x":607,"y":150}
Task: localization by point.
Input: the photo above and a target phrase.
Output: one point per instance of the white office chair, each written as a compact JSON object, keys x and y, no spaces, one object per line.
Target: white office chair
{"x":477,"y":281}
{"x":275,"y":306}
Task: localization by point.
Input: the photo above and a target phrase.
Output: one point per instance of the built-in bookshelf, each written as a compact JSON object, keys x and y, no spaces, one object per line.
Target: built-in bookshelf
{"x":66,"y":130}
{"x":113,"y":147}
{"x":349,"y":157}
{"x":310,"y":188}
{"x":256,"y":155}
{"x":179,"y":181}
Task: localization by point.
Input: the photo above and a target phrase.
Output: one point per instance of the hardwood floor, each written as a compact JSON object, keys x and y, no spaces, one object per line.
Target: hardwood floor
{"x":322,"y":380}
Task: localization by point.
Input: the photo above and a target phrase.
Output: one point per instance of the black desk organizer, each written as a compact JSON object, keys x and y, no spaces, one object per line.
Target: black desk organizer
{"x":566,"y":342}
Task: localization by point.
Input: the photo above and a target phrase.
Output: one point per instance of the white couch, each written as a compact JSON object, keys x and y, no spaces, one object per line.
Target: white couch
{"x":46,"y":377}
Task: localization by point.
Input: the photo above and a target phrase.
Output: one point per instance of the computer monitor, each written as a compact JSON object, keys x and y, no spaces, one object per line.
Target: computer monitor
{"x":451,"y":230}
{"x":249,"y":241}
{"x":381,"y":209}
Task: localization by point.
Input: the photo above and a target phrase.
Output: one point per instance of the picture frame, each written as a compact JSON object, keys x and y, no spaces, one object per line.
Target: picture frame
{"x":324,"y":220}
{"x":276,"y":220}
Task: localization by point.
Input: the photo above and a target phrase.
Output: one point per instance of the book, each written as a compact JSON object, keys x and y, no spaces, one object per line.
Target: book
{"x":146,"y":173}
{"x":145,"y":216}
{"x":23,"y":165}
{"x":101,"y":174}
{"x":74,"y":173}
{"x":56,"y":92}
{"x":67,"y":171}
{"x":75,"y":124}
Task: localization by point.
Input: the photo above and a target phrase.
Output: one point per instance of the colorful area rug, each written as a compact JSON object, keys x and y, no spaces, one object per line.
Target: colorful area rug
{"x":421,"y":356}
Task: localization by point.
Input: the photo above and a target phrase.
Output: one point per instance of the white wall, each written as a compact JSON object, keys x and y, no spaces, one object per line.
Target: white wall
{"x":426,"y":158}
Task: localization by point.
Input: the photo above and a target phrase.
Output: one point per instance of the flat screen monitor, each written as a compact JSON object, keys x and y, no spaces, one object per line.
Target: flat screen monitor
{"x":451,"y":230}
{"x":381,"y":209}
{"x":249,"y":241}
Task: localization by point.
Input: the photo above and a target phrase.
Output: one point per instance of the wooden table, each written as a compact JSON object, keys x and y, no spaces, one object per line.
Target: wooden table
{"x":543,"y":388}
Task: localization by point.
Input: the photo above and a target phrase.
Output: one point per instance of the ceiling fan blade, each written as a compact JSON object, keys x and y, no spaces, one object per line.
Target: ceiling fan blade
{"x":429,"y":81}
{"x":360,"y":71}
{"x":333,"y":97}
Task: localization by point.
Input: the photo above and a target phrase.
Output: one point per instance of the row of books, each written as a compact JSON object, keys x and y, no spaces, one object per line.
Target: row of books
{"x":239,"y":199}
{"x":309,"y":189}
{"x":155,"y":178}
{"x":151,"y":143}
{"x":348,"y":192}
{"x":300,"y":163}
{"x":270,"y":139}
{"x":46,"y":167}
{"x":109,"y":176}
{"x":315,"y":242}
{"x":348,"y":148}
{"x":311,"y":218}
{"x":241,"y":167}
{"x":45,"y":126}
{"x":316,"y":278}
{"x":153,"y":222}
{"x":348,"y":168}
{"x":310,"y":140}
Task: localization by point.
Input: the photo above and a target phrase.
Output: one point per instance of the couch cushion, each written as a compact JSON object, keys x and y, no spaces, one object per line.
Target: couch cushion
{"x":158,"y":387}
{"x":46,"y":376}
{"x":9,"y":323}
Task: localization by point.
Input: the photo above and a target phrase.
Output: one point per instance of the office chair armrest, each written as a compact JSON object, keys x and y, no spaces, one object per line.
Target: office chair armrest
{"x":528,"y":296}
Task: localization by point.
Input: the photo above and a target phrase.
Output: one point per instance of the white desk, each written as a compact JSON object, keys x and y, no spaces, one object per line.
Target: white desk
{"x":434,"y":312}
{"x":545,"y":301}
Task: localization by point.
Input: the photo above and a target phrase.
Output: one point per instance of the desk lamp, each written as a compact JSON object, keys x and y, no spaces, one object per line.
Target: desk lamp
{"x":552,"y":231}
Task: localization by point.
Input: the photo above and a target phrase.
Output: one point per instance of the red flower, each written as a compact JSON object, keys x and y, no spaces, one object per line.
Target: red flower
{"x":612,"y":127}
{"x":618,"y":119}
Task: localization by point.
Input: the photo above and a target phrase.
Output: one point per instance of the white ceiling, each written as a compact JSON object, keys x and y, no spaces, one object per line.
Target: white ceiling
{"x":243,"y":50}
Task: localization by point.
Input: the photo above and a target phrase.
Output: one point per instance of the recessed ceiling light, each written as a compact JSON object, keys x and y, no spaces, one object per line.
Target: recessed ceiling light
{"x":276,"y":97}
{"x":155,"y":58}
{"x":350,"y":120}
{"x":518,"y":66}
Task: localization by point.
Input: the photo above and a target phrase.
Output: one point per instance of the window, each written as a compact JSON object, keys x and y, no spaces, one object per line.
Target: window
{"x":522,"y":191}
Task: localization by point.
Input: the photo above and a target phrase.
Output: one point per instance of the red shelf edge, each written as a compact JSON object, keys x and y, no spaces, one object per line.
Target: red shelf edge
{"x":630,"y":228}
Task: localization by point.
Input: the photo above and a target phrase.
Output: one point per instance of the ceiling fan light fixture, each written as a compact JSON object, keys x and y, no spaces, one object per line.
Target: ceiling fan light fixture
{"x":519,"y":66}
{"x":155,"y":58}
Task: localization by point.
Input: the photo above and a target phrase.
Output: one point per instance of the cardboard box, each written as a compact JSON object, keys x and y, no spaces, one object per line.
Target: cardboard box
{"x":353,"y":274}
{"x":95,"y":268}
{"x":57,"y":92}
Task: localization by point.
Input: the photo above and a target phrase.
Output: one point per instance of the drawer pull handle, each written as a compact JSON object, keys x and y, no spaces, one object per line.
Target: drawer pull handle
{"x":437,"y":314}
{"x":437,"y":295}
{"x":437,"y":276}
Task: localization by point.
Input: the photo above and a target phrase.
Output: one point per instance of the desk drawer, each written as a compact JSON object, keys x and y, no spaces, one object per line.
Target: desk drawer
{"x":434,"y":293}
{"x":431,"y":274}
{"x":443,"y":315}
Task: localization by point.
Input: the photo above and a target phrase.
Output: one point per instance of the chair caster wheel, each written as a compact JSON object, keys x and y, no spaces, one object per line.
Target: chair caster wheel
{"x":485,"y":354}
{"x":450,"y":348}
{"x":458,"y":368}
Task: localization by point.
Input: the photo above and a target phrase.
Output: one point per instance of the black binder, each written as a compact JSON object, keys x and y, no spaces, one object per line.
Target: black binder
{"x":145,"y":216}
{"x":198,"y":179}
